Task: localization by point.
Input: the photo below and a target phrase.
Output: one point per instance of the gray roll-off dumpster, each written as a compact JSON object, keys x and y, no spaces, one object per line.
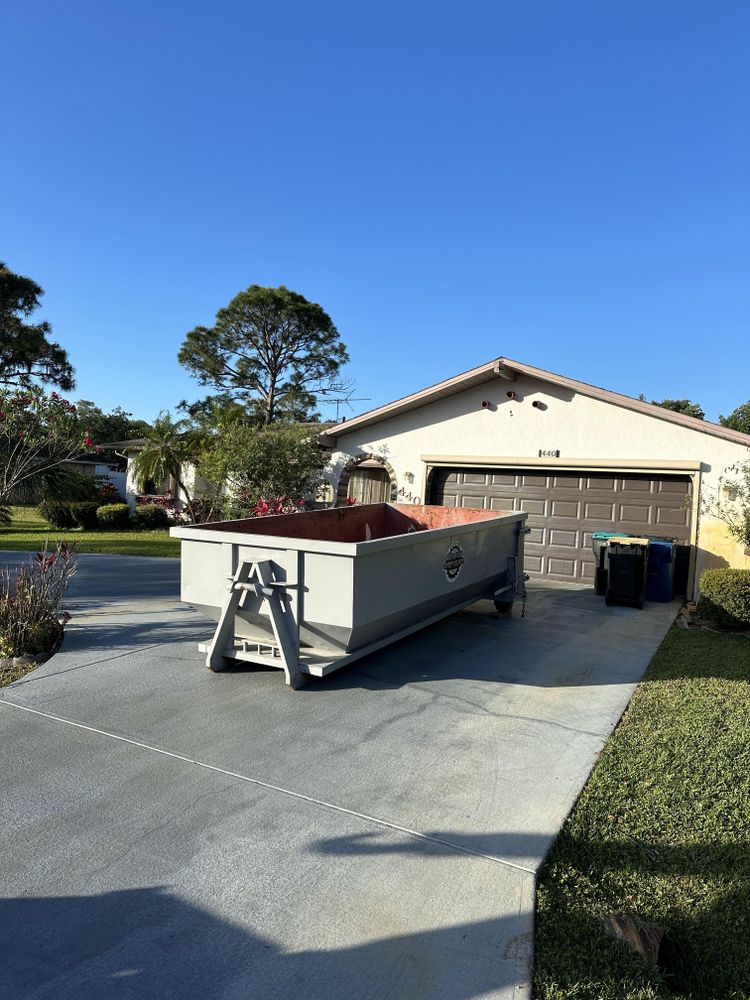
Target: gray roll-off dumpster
{"x":310,"y":592}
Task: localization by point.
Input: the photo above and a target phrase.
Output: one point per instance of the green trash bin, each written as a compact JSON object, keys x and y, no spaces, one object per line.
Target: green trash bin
{"x":627,"y":569}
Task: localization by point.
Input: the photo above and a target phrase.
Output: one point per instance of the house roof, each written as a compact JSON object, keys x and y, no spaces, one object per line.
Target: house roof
{"x":123,"y":445}
{"x":509,"y":370}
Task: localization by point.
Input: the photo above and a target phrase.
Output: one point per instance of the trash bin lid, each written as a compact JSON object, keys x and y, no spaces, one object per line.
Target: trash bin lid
{"x":662,"y":550}
{"x":607,"y":534}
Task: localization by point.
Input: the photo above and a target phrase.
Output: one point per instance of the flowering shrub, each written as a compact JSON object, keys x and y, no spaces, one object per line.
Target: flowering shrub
{"x":31,"y":615}
{"x":108,"y":493}
{"x":277,"y":505}
{"x":164,"y":500}
{"x":37,"y":434}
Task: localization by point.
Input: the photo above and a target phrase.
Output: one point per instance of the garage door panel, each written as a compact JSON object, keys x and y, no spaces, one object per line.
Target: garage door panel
{"x":473,"y":502}
{"x":599,"y":511}
{"x":563,"y":568}
{"x":504,"y":503}
{"x":603,"y":484}
{"x":673,"y":487}
{"x":534,"y":479}
{"x":635,"y":513}
{"x":473,"y":478}
{"x":531,"y":506}
{"x":563,"y":536}
{"x":678,"y":518}
{"x":564,"y":509}
{"x":633,"y":485}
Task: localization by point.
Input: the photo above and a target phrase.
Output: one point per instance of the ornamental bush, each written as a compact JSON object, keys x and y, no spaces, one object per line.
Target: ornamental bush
{"x":151,"y":515}
{"x":31,"y":615}
{"x":84,"y":514}
{"x":725,"y":596}
{"x":113,"y":515}
{"x":56,"y":513}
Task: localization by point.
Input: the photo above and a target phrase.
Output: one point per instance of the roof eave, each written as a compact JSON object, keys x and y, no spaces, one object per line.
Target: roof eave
{"x":508,"y":369}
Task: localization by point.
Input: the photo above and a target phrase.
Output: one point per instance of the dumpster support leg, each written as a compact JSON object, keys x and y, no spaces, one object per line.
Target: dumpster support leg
{"x":258,"y":577}
{"x":284,"y":626}
{"x":224,"y":634}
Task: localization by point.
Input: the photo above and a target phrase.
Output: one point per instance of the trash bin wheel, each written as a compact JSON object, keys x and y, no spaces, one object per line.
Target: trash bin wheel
{"x":504,"y":607}
{"x":641,"y":600}
{"x":608,"y":600}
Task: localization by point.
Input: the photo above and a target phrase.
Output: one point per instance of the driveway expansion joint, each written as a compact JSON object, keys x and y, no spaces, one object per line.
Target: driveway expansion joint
{"x":384,"y":823}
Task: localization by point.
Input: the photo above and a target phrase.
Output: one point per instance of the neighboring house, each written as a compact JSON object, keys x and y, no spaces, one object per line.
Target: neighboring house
{"x":128,"y":450}
{"x":578,"y":459}
{"x":194,"y":483}
{"x":88,"y":466}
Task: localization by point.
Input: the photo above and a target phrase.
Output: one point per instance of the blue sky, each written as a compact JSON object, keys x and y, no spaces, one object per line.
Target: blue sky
{"x":563,"y":183}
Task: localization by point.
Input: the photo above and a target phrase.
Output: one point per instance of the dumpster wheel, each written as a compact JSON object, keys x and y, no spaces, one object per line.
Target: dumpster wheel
{"x":503,"y":607}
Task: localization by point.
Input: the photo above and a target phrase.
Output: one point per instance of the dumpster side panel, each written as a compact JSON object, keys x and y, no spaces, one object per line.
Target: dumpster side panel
{"x":430,"y":575}
{"x":204,"y":569}
{"x":329,"y":586}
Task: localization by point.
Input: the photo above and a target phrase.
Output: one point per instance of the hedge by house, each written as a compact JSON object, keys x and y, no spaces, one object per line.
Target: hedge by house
{"x":84,"y":514}
{"x":725,"y":595}
{"x":151,"y":515}
{"x":58,"y":514}
{"x":114,"y":515}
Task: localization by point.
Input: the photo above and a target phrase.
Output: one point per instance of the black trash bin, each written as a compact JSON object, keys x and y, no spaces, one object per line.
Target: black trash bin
{"x":627,"y":562}
{"x":599,"y":541}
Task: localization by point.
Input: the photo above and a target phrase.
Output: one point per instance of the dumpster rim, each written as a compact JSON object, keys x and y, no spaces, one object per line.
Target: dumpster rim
{"x":205,"y":533}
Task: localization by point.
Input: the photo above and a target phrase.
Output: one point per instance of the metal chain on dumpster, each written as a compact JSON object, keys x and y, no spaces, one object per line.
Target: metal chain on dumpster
{"x":524,"y":597}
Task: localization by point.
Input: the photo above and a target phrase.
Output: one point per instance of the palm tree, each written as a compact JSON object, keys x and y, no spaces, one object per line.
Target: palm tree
{"x":168,"y":447}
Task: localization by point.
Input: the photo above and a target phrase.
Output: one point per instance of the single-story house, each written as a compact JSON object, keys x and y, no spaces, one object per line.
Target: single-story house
{"x":576,"y":458}
{"x":168,"y":488}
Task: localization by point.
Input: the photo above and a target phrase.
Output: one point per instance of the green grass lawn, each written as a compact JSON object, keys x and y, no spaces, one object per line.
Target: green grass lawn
{"x":661,"y":831}
{"x":29,"y":531}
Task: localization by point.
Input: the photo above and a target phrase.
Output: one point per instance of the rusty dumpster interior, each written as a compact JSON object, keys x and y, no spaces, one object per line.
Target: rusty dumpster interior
{"x":361,"y":523}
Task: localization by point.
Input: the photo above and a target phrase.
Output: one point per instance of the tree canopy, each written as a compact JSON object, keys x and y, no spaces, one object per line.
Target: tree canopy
{"x":271,"y":349}
{"x":38,"y":433}
{"x":254,"y":464}
{"x":119,"y":425}
{"x":739,"y":419}
{"x":26,"y":352}
{"x":685,"y":406}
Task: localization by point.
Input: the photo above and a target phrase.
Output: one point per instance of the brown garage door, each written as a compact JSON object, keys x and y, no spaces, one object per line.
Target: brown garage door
{"x":564,"y":508}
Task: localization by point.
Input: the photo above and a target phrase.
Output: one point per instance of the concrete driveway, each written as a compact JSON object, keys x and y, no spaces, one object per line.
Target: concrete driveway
{"x":172,"y":833}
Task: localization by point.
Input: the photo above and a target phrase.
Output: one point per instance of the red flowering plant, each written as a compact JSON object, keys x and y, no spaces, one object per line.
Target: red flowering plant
{"x":277,"y":505}
{"x":38,"y":432}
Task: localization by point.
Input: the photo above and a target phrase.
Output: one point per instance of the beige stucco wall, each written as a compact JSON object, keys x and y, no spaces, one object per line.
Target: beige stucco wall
{"x":579,"y":426}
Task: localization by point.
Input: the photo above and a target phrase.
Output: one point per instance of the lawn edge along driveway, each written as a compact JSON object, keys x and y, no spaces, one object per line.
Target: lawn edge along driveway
{"x":661,"y":833}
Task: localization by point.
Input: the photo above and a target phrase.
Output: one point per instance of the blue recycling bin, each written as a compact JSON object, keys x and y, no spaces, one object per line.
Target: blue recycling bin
{"x":660,"y":574}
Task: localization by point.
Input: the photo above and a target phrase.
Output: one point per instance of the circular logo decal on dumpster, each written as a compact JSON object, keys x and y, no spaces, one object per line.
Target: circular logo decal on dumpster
{"x":453,"y":562}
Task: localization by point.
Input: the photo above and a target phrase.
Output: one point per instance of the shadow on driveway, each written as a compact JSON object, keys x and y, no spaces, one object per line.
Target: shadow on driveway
{"x":148,"y":944}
